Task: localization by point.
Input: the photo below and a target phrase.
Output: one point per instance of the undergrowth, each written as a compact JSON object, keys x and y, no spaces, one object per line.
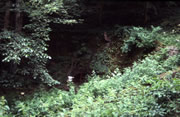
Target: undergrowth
{"x":4,"y":108}
{"x":139,"y":91}
{"x":150,"y":88}
{"x":137,"y":37}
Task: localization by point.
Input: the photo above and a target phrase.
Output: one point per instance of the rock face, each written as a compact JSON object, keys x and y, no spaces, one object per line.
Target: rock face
{"x":172,"y":50}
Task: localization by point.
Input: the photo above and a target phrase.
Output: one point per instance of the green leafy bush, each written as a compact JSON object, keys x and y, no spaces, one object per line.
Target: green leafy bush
{"x":100,"y":62}
{"x":4,"y":108}
{"x":25,"y":51}
{"x":169,"y":39}
{"x":136,"y":92}
{"x":50,"y":104}
{"x":107,"y":58}
{"x":138,"y":37}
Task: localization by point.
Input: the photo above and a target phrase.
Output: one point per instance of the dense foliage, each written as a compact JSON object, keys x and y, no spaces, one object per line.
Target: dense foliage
{"x":89,"y":58}
{"x":26,"y":51}
{"x":4,"y":108}
{"x":139,"y":91}
{"x":138,"y":37}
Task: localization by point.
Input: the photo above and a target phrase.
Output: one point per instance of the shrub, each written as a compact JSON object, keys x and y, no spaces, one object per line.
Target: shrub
{"x":23,"y":54}
{"x":100,"y":62}
{"x":50,"y":104}
{"x":4,"y":108}
{"x":139,"y":37}
{"x":169,"y":39}
{"x":137,"y":92}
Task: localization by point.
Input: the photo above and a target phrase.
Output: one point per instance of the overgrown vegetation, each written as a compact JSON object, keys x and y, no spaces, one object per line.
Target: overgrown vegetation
{"x":138,"y":37}
{"x":26,"y":51}
{"x":139,"y":91}
{"x":108,"y":65}
{"x":4,"y":108}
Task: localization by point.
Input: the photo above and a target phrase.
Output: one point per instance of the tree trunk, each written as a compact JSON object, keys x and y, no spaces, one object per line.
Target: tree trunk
{"x":7,"y":15}
{"x":100,"y":7}
{"x":18,"y":21}
{"x":145,"y":12}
